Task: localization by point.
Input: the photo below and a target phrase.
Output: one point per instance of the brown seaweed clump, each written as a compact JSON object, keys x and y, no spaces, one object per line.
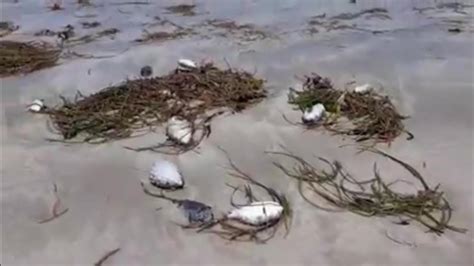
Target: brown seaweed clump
{"x":162,"y":36}
{"x":370,"y":115}
{"x":183,"y":10}
{"x":337,"y":190}
{"x":25,"y":57}
{"x":244,"y":32}
{"x":116,"y":111}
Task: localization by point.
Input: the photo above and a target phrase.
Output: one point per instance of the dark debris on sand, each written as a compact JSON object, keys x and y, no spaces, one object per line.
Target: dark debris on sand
{"x":183,"y":10}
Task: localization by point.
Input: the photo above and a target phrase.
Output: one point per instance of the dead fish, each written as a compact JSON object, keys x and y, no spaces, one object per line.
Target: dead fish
{"x":146,"y":71}
{"x":196,"y":212}
{"x":36,"y":106}
{"x":165,"y":174}
{"x":257,"y":213}
{"x":186,"y":64}
{"x":313,"y":114}
{"x":179,"y":130}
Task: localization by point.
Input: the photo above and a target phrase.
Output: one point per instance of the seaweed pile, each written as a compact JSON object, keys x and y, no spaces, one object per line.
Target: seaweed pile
{"x":25,"y":57}
{"x":117,"y":111}
{"x":371,"y":198}
{"x":371,"y":116}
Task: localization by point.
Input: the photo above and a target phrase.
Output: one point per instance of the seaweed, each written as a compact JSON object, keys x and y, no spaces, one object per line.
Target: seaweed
{"x":162,"y":36}
{"x":371,"y":116}
{"x":370,"y":198}
{"x":55,"y":213}
{"x":118,"y":111}
{"x":183,"y":9}
{"x":244,"y":32}
{"x":24,"y":57}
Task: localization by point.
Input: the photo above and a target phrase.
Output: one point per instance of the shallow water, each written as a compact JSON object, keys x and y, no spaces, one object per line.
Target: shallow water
{"x":425,"y":68}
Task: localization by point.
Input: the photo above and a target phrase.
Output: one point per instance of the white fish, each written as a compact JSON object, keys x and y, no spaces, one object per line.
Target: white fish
{"x":179,"y":130}
{"x":186,"y":64}
{"x":36,"y":106}
{"x":257,"y":213}
{"x":165,"y":174}
{"x":363,"y":88}
{"x":313,"y":114}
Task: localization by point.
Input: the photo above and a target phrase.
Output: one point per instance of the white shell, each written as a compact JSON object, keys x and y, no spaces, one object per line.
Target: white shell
{"x":36,"y":106}
{"x":179,"y":130}
{"x":186,"y":63}
{"x":314,"y":114}
{"x":257,"y":213}
{"x":165,"y":174}
{"x":363,"y":88}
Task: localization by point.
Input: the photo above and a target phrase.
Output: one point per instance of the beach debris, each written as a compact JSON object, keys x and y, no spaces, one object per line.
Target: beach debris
{"x":55,"y":213}
{"x":183,"y":9}
{"x":257,"y":213}
{"x":118,"y":111}
{"x":455,"y":30}
{"x":67,"y":33}
{"x":363,"y":88}
{"x":197,"y":213}
{"x":25,"y":57}
{"x":364,"y":116}
{"x":7,"y":27}
{"x":337,"y":190}
{"x":179,"y":130}
{"x":89,"y":25}
{"x":313,"y":114}
{"x":186,"y":64}
{"x":56,"y":5}
{"x":162,"y":36}
{"x":256,"y":220}
{"x":45,"y":32}
{"x":166,"y":175}
{"x":36,"y":106}
{"x":382,"y":12}
{"x":106,"y":257}
{"x":146,"y":71}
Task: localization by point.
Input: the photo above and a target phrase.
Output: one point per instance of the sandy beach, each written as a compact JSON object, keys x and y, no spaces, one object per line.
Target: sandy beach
{"x":426,"y":69}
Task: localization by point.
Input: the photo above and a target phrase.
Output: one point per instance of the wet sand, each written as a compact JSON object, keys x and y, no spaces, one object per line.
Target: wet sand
{"x":425,"y":68}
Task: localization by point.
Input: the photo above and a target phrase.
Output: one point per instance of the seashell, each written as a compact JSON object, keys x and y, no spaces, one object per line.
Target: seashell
{"x":257,"y":213}
{"x":314,"y":114}
{"x":165,"y":174}
{"x":36,"y":106}
{"x":179,"y":130}
{"x":186,"y":64}
{"x":363,"y":88}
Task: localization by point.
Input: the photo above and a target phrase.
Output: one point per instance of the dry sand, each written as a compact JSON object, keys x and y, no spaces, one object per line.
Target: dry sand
{"x":426,"y":69}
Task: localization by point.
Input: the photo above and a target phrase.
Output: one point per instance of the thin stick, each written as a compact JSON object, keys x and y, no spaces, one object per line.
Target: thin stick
{"x":106,"y":256}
